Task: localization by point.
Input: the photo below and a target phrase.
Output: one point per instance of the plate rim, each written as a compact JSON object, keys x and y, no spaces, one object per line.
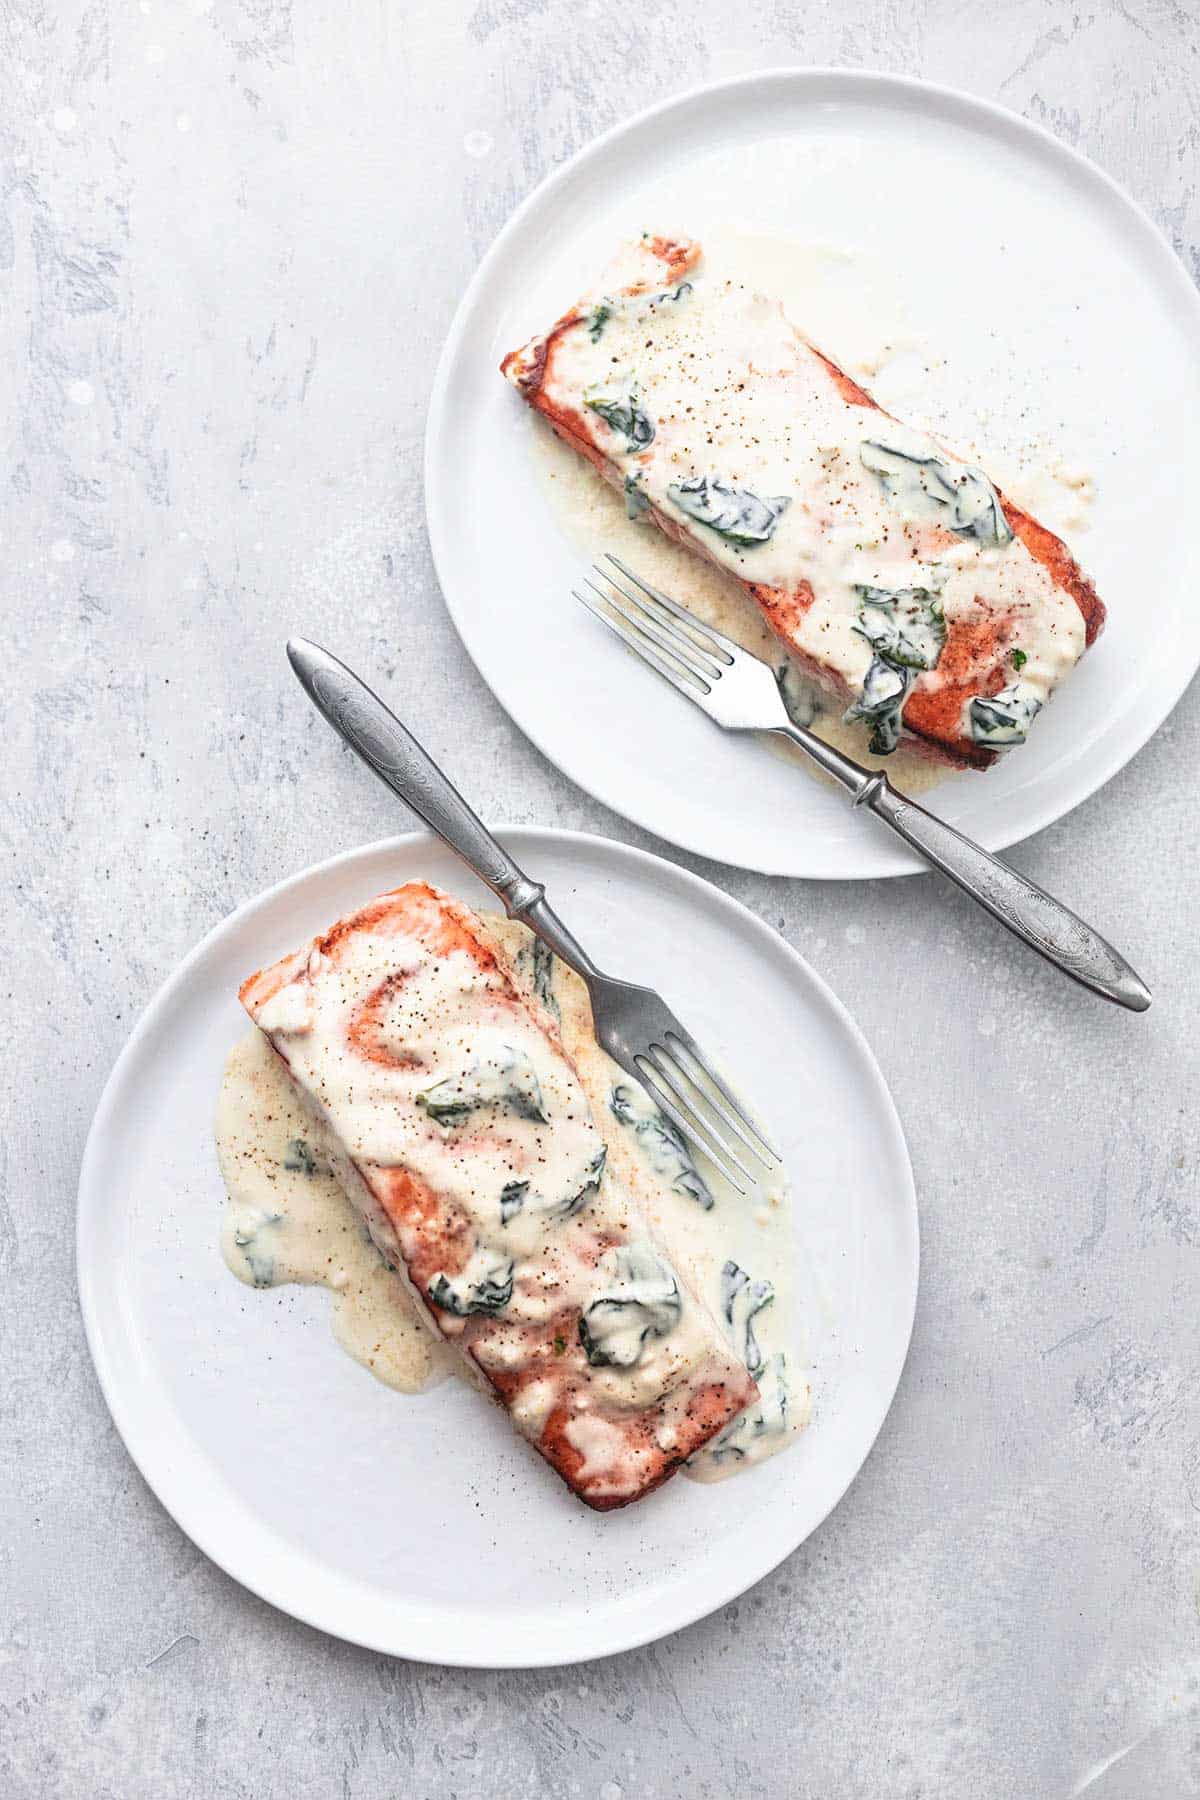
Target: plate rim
{"x":914,"y":90}
{"x":128,"y":1412}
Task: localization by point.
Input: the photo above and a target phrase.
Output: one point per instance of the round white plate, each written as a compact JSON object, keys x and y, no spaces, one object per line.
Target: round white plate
{"x":1044,"y":290}
{"x":424,"y":1527}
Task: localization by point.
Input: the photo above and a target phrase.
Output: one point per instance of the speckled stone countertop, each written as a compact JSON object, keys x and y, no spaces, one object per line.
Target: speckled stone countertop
{"x":232,"y":237}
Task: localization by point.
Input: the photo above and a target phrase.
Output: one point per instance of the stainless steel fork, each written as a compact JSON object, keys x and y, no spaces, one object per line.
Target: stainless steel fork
{"x":635,"y":1026}
{"x":740,"y":692}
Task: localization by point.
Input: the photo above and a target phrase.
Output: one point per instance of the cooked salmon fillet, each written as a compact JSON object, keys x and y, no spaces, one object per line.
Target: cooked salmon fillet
{"x":466,"y":1141}
{"x":897,"y":574}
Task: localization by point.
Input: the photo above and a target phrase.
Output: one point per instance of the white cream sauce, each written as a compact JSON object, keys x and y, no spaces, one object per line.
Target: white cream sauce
{"x":755,"y":1232}
{"x":426,"y":1065}
{"x":592,"y":515}
{"x":731,"y":392}
{"x":288,"y":1218}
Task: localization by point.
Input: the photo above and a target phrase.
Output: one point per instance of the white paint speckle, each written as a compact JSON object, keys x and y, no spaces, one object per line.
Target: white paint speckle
{"x":155,"y":53}
{"x":855,"y":934}
{"x":987,"y":1026}
{"x":62,"y":550}
{"x":184,"y":122}
{"x":65,"y":119}
{"x":610,"y":1791}
{"x":191,"y":583}
{"x":477,"y":143}
{"x":80,"y":393}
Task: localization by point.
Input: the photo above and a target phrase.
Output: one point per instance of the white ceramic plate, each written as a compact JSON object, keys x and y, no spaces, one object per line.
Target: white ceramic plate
{"x":424,"y":1527}
{"x":1044,"y":289}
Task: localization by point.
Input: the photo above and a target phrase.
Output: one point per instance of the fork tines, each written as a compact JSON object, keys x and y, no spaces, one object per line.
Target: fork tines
{"x":683,"y":1083}
{"x":689,"y":655}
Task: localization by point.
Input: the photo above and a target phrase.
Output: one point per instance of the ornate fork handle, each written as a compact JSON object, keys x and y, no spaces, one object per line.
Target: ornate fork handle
{"x":361,"y":718}
{"x":375,"y":733}
{"x":1044,"y":923}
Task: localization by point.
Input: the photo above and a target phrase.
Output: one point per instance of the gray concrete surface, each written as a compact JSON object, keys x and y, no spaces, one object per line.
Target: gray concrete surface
{"x":233,"y":235}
